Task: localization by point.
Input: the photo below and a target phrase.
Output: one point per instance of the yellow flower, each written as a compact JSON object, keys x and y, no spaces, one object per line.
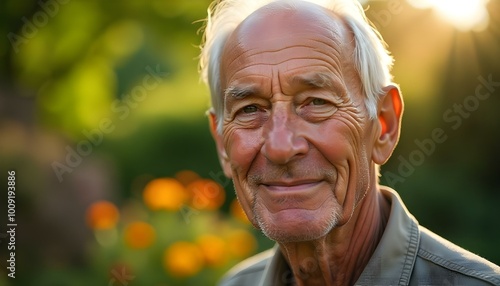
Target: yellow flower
{"x":241,"y":243}
{"x":213,"y":249}
{"x":183,"y":259}
{"x":206,"y":194}
{"x":238,"y":212}
{"x":164,"y":193}
{"x":102,"y":215}
{"x":139,"y":235}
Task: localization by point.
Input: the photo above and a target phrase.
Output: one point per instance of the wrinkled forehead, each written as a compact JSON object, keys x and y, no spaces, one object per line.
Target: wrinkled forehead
{"x":280,"y":25}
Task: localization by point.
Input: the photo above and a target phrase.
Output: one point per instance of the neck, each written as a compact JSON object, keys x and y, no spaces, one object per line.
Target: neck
{"x":340,"y":257}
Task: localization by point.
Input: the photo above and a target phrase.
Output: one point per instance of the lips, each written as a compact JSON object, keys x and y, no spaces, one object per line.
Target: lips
{"x":293,"y":195}
{"x":291,"y":186}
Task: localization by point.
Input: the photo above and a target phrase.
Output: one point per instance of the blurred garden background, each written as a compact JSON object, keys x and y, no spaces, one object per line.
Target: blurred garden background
{"x":102,"y":116}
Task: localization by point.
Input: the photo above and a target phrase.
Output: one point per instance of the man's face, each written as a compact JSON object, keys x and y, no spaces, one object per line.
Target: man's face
{"x":295,"y":129}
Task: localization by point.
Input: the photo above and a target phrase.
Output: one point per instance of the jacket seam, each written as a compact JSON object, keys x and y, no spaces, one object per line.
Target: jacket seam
{"x":410,"y":255}
{"x":457,"y":267}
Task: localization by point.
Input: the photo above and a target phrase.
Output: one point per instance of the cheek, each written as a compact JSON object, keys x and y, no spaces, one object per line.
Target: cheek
{"x":242,"y":146}
{"x":342,"y":147}
{"x":338,"y":145}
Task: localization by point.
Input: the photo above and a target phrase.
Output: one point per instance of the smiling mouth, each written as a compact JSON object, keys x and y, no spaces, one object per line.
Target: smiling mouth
{"x":291,"y":186}
{"x":298,"y":195}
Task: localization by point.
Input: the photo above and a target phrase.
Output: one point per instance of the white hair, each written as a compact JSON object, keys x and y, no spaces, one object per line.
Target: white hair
{"x":371,"y":58}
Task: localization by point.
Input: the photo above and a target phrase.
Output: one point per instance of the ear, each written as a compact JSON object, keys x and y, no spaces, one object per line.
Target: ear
{"x":221,"y":151}
{"x":390,"y":111}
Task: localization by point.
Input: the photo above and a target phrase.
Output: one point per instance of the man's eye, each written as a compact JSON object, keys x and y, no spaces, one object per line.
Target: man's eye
{"x":249,"y":109}
{"x":318,"y":101}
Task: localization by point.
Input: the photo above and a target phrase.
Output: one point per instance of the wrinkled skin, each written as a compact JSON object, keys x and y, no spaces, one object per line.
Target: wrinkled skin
{"x":299,"y":144}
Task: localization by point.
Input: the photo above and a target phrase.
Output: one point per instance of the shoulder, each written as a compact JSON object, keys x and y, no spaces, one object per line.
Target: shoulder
{"x":249,"y":271}
{"x":437,"y":257}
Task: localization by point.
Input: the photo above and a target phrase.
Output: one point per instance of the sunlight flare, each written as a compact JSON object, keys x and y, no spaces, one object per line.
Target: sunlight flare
{"x":465,"y":15}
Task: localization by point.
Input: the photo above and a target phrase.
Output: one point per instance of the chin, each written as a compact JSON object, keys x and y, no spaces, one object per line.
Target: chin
{"x":296,"y":225}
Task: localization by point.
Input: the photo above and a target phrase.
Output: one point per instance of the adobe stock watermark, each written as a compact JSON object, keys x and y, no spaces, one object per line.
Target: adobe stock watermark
{"x":121,"y":108}
{"x":120,"y":276}
{"x":40,"y":19}
{"x":455,"y":116}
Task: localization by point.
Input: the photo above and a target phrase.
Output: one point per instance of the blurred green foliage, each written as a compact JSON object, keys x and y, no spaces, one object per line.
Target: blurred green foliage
{"x":68,"y":66}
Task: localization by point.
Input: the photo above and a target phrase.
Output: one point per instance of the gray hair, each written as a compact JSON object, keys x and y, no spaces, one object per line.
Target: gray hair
{"x":371,"y":58}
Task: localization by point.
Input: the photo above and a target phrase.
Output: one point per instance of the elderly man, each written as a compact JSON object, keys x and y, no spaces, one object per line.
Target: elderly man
{"x":304,"y":112}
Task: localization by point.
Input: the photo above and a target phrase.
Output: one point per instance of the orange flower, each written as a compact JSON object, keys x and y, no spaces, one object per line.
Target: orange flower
{"x":164,"y":193}
{"x":241,"y":243}
{"x":183,"y":259}
{"x":238,"y":212}
{"x":186,"y":177}
{"x":206,"y":194}
{"x":102,"y":215}
{"x":213,"y":249}
{"x":139,"y":235}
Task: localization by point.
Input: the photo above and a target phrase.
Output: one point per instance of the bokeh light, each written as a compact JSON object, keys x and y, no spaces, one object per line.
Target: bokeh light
{"x":165,"y":193}
{"x":206,"y":194}
{"x":186,"y":177}
{"x":213,"y":248}
{"x":139,"y":235}
{"x":102,"y":215}
{"x":183,"y":259}
{"x":241,"y":243}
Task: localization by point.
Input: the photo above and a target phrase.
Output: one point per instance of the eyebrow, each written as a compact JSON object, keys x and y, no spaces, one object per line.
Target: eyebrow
{"x":239,"y":92}
{"x":316,"y":80}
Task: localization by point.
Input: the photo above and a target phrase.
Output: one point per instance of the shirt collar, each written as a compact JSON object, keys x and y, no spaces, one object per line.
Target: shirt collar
{"x":391,"y":263}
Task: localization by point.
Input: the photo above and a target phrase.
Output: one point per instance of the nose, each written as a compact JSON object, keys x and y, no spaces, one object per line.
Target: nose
{"x":282,"y":137}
